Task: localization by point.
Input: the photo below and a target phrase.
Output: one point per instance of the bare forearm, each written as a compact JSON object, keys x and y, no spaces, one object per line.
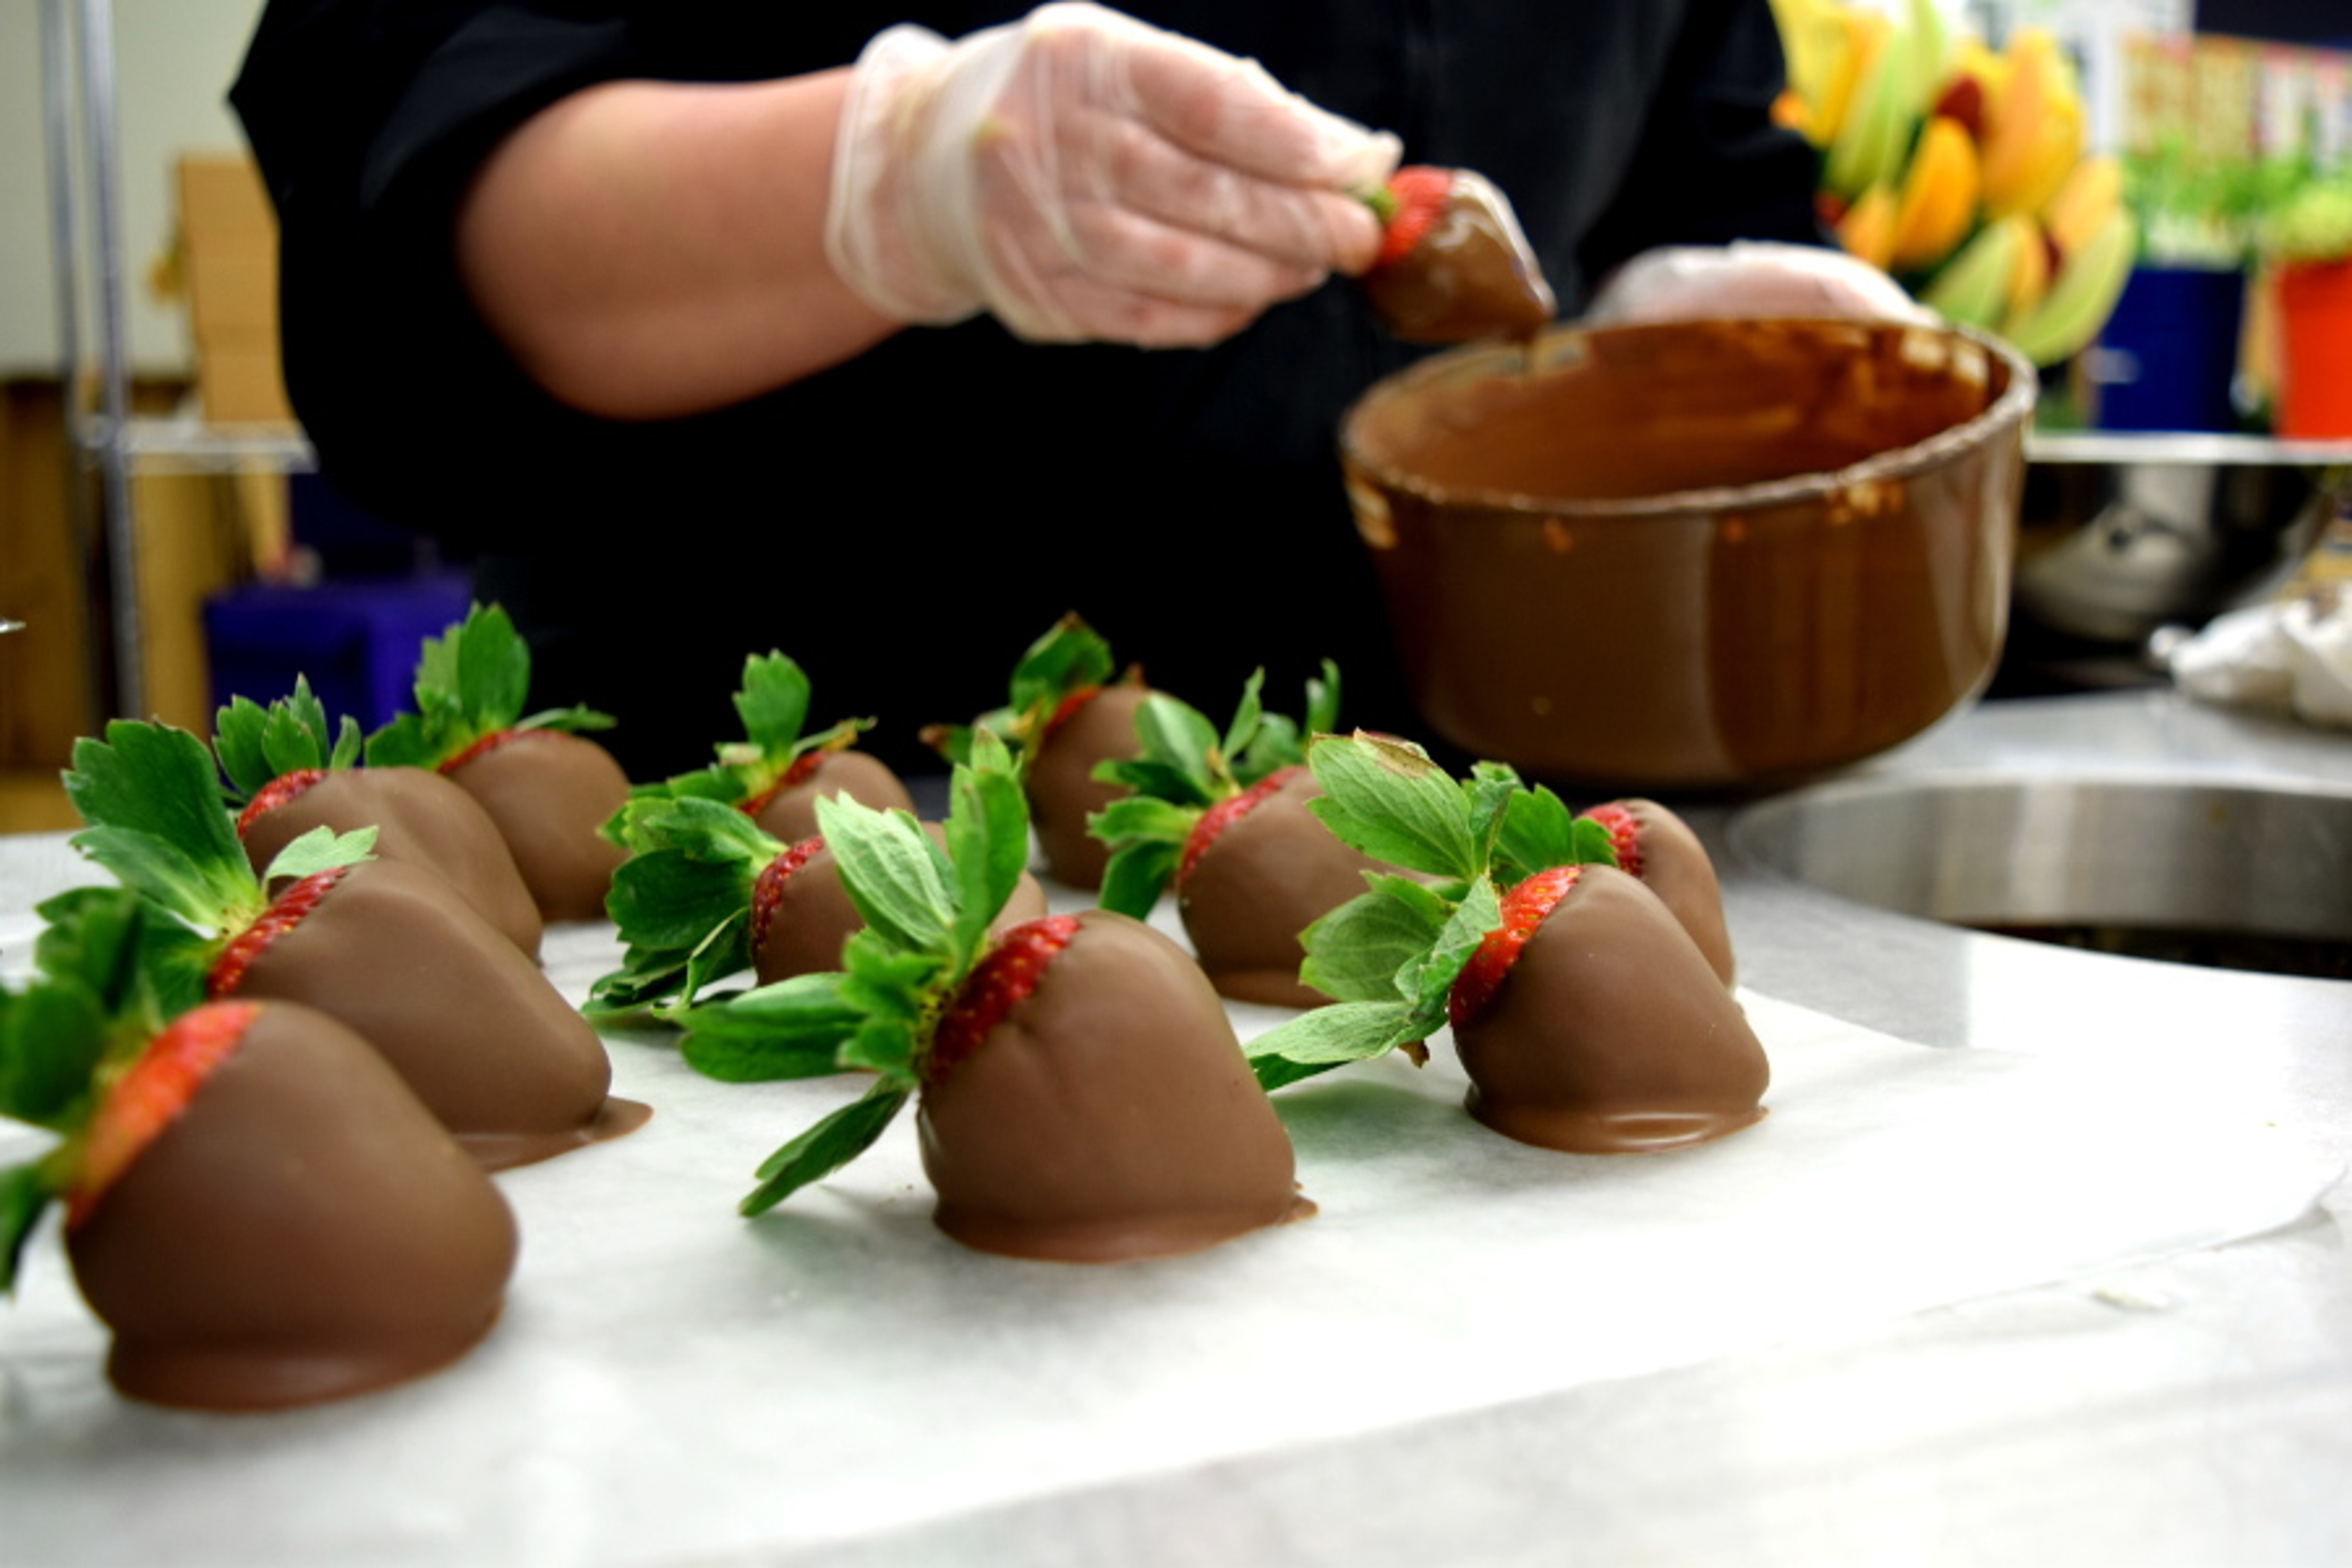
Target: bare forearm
{"x":653,"y":249}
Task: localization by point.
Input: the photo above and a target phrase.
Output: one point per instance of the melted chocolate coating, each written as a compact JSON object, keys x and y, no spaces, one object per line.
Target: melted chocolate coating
{"x":304,"y":1231}
{"x":419,"y":817}
{"x":549,"y":791}
{"x":479,"y":1032}
{"x":1472,"y":276}
{"x":1675,"y":867}
{"x":1269,"y":875}
{"x":1610,"y":1034}
{"x":1109,"y":1116}
{"x":814,"y":917}
{"x":1063,"y":791}
{"x":791,"y":813}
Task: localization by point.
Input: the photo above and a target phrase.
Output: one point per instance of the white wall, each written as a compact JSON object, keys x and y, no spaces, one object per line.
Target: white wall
{"x":175,"y":60}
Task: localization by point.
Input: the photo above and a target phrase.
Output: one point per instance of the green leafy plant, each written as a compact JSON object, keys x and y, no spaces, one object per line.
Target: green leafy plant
{"x":1070,"y":661}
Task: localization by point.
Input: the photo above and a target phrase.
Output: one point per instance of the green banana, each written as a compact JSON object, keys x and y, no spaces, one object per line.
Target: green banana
{"x":2082,"y":295}
{"x":1972,"y":288}
{"x":1869,"y":146}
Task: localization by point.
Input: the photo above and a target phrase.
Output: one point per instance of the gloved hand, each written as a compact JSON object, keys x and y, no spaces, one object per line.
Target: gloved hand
{"x":1750,"y":277}
{"x":1083,"y":175}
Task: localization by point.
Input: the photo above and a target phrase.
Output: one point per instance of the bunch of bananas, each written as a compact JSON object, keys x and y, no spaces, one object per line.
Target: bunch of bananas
{"x":1960,"y":170}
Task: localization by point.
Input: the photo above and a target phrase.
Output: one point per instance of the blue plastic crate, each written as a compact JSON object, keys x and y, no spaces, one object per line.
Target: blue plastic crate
{"x":356,"y":641}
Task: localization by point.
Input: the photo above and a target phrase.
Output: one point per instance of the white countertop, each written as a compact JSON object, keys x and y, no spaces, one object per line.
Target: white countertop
{"x":1864,"y":1363}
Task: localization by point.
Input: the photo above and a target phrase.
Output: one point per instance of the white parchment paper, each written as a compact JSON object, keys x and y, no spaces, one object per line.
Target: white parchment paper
{"x":674,"y":1384}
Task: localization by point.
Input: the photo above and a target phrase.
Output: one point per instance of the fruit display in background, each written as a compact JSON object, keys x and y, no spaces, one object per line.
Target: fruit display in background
{"x":1960,"y":170}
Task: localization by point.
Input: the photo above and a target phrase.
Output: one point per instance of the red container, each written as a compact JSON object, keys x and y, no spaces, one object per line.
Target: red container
{"x":2315,"y":300}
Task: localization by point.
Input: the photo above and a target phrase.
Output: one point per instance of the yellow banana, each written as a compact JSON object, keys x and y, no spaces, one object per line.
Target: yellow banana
{"x":1862,"y":31}
{"x":1939,"y":197}
{"x":2029,"y":273}
{"x":1867,"y":230}
{"x":1816,"y":41}
{"x":2083,"y":295}
{"x":1972,"y":288}
{"x":2033,"y":125}
{"x":2093,"y":189}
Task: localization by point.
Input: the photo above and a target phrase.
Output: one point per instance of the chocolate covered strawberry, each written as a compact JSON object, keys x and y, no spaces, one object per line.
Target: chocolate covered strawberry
{"x":1224,"y":819}
{"x":389,"y":950}
{"x":1065,"y":716}
{"x":776,"y":774}
{"x":257,"y":1205}
{"x":1454,"y":264}
{"x":1586,"y":1016}
{"x":707,"y":894}
{"x":1655,"y":844}
{"x":547,"y":787}
{"x":290,"y":776}
{"x":1081,"y":1094}
{"x":1588,"y":1020}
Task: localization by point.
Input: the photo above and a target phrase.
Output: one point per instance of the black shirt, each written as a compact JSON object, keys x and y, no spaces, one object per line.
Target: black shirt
{"x":904,"y":524}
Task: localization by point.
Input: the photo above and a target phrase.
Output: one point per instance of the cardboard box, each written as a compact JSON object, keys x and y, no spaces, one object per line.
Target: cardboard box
{"x":228,"y":242}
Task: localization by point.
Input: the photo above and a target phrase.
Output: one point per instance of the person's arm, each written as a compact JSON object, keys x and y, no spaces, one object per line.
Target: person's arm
{"x":650,"y":249}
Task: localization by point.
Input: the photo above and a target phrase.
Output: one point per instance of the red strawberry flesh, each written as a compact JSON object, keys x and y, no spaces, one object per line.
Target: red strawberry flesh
{"x":277,"y":793}
{"x":1524,"y":909}
{"x":767,"y":888}
{"x":282,"y":916}
{"x":1417,"y":193}
{"x":150,"y":1096}
{"x":1624,"y":834}
{"x":1009,"y":971}
{"x":490,"y":742}
{"x":1213,"y":822}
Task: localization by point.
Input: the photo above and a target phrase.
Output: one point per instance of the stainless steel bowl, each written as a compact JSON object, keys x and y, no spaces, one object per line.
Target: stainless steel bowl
{"x":2226,"y":875}
{"x":2120,"y":534}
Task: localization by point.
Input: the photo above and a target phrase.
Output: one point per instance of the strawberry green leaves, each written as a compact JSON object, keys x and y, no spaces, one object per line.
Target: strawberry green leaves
{"x":257,"y":745}
{"x":1391,"y":954}
{"x":773,"y":703}
{"x":90,"y":1009}
{"x":1184,"y":766}
{"x":471,"y":682}
{"x":681,"y":900}
{"x":1070,"y":658}
{"x":926,"y":912}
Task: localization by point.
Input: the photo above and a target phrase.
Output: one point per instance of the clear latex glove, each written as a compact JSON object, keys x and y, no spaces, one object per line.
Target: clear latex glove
{"x":1084,"y":176}
{"x":1750,"y":277}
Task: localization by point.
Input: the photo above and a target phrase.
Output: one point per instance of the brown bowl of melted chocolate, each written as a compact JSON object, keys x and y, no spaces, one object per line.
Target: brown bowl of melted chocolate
{"x":1697,"y":555}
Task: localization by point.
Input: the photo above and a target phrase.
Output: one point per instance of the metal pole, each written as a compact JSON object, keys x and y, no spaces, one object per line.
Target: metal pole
{"x":97,"y":43}
{"x":64,"y":236}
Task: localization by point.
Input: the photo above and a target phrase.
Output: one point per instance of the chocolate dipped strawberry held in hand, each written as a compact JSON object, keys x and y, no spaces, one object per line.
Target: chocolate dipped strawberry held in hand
{"x":1586,"y":1016}
{"x":291,"y":776}
{"x":389,"y":950}
{"x":1224,"y":818}
{"x":547,"y":787}
{"x":1454,"y":266}
{"x":776,"y":774}
{"x":257,"y":1206}
{"x":1081,"y":1095}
